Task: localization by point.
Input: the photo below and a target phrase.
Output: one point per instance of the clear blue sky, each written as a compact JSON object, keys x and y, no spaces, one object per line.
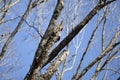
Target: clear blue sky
{"x":25,"y":42}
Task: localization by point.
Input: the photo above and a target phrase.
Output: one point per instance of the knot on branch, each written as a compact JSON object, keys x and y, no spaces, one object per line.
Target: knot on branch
{"x":102,"y":2}
{"x":55,"y":35}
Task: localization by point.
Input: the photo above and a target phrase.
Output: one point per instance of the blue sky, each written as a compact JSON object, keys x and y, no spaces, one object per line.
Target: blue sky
{"x":25,"y":41}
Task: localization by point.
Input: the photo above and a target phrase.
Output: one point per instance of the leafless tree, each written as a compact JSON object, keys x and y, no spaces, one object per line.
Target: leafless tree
{"x":75,"y":37}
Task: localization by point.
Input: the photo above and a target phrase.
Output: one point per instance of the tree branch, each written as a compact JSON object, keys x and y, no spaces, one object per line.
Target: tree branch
{"x":54,"y":66}
{"x":15,"y":31}
{"x":76,"y":30}
{"x":107,"y":49}
{"x":51,"y":35}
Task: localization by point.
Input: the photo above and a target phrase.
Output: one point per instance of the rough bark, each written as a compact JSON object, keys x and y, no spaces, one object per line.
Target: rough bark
{"x":54,"y":66}
{"x":76,"y":30}
{"x":51,"y":35}
{"x":29,"y":8}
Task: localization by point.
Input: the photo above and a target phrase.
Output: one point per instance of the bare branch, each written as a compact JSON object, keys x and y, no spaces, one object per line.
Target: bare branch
{"x":51,"y":35}
{"x":10,"y":19}
{"x":110,"y":57}
{"x":89,"y":43}
{"x":34,"y":28}
{"x":37,"y":2}
{"x":41,"y":54}
{"x":5,"y":12}
{"x":107,"y":49}
{"x":103,"y":29}
{"x":105,"y":63}
{"x":75,"y":31}
{"x":15,"y":31}
{"x":111,"y":70}
{"x":54,"y":65}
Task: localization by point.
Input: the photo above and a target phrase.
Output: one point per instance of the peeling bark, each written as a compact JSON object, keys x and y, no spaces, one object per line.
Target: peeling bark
{"x":76,"y":30}
{"x":50,"y":37}
{"x":54,"y":66}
